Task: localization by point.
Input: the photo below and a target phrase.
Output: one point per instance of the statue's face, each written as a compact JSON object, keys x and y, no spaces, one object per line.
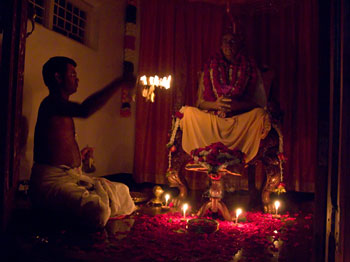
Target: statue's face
{"x":230,"y":46}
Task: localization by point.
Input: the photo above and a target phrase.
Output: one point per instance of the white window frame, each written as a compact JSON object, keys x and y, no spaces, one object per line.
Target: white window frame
{"x":84,"y":5}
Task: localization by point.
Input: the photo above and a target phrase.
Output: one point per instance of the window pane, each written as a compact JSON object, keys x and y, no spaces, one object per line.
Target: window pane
{"x":68,"y":26}
{"x":63,"y":3}
{"x":69,"y":6}
{"x":61,"y":12}
{"x":76,"y":11}
{"x":83,"y":14}
{"x":69,"y":16}
{"x":82,"y":24}
{"x":75,"y":20}
{"x":60,"y":22}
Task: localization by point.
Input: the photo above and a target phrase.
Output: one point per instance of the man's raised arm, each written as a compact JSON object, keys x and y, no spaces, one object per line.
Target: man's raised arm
{"x":97,"y":100}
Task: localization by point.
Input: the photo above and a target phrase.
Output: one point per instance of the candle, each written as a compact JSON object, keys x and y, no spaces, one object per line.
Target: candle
{"x":184,"y":208}
{"x":238,"y":212}
{"x":277,"y":205}
{"x":166,"y":199}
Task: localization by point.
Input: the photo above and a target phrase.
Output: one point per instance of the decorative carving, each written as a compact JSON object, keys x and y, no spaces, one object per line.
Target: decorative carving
{"x":215,"y":204}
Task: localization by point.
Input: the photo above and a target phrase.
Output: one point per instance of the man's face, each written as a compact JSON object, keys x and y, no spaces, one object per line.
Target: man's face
{"x":229,"y":46}
{"x":70,"y":80}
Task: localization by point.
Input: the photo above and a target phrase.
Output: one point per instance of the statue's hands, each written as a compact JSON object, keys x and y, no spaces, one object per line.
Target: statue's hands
{"x":223,"y":104}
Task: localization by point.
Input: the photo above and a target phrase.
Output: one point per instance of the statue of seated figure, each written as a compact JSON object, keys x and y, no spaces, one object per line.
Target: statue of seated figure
{"x":232,"y":108}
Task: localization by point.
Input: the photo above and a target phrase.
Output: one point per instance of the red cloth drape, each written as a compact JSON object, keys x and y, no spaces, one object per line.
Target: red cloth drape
{"x":177,"y":37}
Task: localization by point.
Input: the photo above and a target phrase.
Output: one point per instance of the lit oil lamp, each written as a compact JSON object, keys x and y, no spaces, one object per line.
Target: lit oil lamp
{"x":277,"y":205}
{"x":150,"y":83}
{"x":184,"y":208}
{"x":238,"y":212}
{"x":167,"y":197}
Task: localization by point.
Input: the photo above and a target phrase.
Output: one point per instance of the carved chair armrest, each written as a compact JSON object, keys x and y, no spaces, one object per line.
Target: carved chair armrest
{"x":273,"y":107}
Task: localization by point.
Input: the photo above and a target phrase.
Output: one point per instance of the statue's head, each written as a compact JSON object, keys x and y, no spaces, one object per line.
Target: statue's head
{"x":231,"y":44}
{"x":232,"y":40}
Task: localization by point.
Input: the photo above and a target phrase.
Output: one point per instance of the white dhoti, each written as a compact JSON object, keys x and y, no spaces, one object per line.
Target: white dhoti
{"x":91,"y":200}
{"x":242,"y":132}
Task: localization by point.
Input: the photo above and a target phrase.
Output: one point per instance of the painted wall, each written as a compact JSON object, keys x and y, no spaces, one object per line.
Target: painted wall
{"x":111,"y":136}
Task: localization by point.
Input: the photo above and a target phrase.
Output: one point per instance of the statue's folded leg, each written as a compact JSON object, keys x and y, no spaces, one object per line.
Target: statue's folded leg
{"x":175,"y":174}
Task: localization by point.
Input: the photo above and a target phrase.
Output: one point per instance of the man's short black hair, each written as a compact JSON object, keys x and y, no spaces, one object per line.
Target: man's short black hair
{"x":57,"y":64}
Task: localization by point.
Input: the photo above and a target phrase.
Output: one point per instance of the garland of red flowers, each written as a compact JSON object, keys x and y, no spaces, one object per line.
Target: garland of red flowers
{"x":222,"y":78}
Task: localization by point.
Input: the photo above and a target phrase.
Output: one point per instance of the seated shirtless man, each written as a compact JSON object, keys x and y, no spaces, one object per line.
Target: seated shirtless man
{"x":57,"y":183}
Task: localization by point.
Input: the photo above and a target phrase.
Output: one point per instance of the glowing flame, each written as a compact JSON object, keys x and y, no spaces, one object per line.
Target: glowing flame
{"x":277,"y":205}
{"x":184,"y":208}
{"x":143,"y":79}
{"x":167,"y":196}
{"x":238,"y":212}
{"x":152,"y":83}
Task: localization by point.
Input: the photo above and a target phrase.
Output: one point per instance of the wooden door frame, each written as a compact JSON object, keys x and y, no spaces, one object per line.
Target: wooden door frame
{"x":14,"y":22}
{"x":337,"y":229}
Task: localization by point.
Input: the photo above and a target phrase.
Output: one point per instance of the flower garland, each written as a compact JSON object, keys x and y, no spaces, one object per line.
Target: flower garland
{"x":282,"y":159}
{"x":222,"y":78}
{"x":175,"y":126}
{"x":129,"y":54}
{"x":217,"y":157}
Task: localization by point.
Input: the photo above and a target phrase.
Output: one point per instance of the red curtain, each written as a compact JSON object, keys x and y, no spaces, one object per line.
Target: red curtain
{"x":177,"y":37}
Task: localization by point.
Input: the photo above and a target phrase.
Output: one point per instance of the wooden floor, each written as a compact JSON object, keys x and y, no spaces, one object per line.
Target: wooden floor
{"x":26,"y":240}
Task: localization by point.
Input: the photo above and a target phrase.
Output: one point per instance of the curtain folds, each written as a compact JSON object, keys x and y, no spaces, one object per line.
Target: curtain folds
{"x":177,"y":37}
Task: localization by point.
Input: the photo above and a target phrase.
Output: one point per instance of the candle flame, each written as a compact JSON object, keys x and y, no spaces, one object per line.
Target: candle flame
{"x":151,"y":80}
{"x":156,"y":80}
{"x":277,"y":204}
{"x":167,"y":197}
{"x":238,"y":212}
{"x":143,"y":79}
{"x":185,"y":207}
